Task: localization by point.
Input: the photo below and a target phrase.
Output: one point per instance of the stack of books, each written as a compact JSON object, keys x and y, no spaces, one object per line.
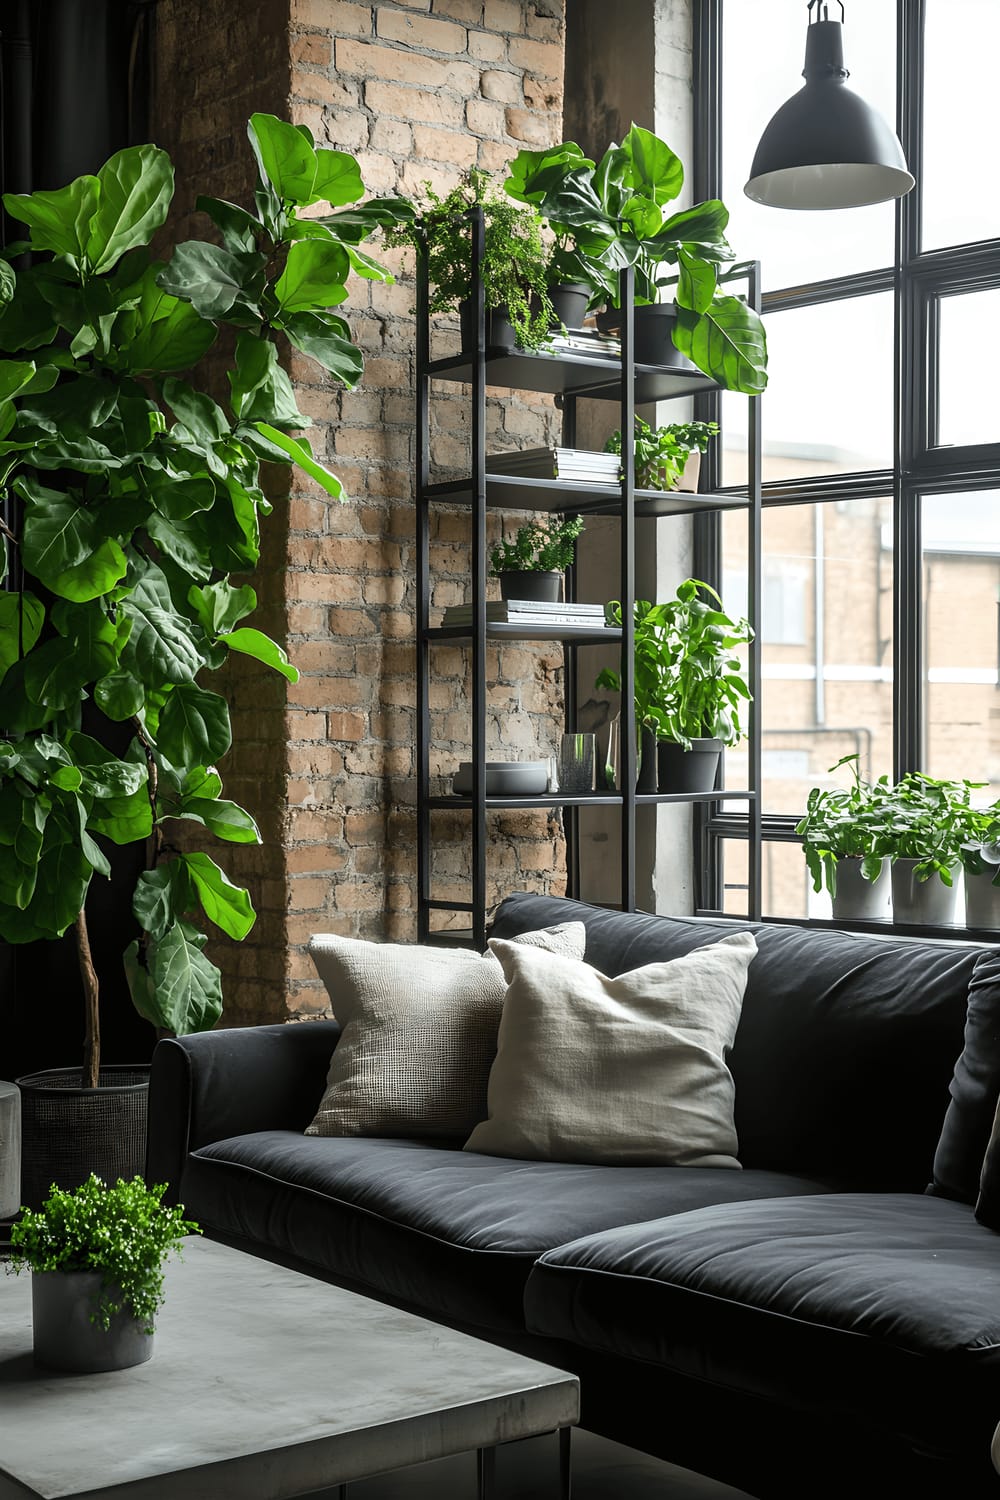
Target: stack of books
{"x":585,"y":341}
{"x":574,"y":465}
{"x":530,"y":612}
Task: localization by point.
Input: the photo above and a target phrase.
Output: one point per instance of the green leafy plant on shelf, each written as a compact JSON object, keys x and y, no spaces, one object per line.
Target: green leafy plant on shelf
{"x":615,"y":213}
{"x":661,"y":453}
{"x":844,"y":823}
{"x":124,"y":1233}
{"x":132,"y":498}
{"x":515,"y":260}
{"x":538,"y":547}
{"x":689,"y":684}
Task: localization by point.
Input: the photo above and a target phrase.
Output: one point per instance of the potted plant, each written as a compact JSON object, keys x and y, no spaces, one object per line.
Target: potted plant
{"x":980,"y":857}
{"x":135,"y":497}
{"x":842,"y":834}
{"x":664,"y":456}
{"x":514,"y":267}
{"x":927,"y":822}
{"x":532,"y":565}
{"x":688,"y":685}
{"x":96,"y":1255}
{"x":616,"y":212}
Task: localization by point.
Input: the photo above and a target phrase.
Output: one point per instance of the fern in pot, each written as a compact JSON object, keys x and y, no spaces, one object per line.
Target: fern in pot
{"x":842,"y":833}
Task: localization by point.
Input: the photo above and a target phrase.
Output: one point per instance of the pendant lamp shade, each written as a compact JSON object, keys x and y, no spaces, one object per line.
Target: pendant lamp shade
{"x":825,"y":147}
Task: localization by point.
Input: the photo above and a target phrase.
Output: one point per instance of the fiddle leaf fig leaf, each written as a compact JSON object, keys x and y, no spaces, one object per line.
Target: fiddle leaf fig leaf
{"x":211,"y":278}
{"x":162,"y":896}
{"x":194,"y":726}
{"x":285,"y":157}
{"x":136,"y":186}
{"x":260,"y":387}
{"x":260,"y":646}
{"x":655,"y":170}
{"x":314,"y":276}
{"x":225,"y":904}
{"x":328,"y":346}
{"x":239,"y":229}
{"x":59,"y":221}
{"x":220,"y":606}
{"x":119,"y":695}
{"x":181,"y":990}
{"x":169,"y":335}
{"x":697,"y":282}
{"x":21,"y":620}
{"x":337,"y":180}
{"x":299,"y":452}
{"x":227,"y":820}
{"x":727,"y":342}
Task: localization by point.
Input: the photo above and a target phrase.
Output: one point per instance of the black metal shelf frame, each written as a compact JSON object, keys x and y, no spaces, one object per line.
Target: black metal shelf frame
{"x":571,"y":377}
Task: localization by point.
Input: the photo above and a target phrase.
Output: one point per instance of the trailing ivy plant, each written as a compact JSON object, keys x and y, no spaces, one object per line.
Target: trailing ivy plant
{"x":123,"y":1232}
{"x":133,"y":497}
{"x":538,"y":547}
{"x":615,"y":213}
{"x":515,"y":260}
{"x":662,"y":452}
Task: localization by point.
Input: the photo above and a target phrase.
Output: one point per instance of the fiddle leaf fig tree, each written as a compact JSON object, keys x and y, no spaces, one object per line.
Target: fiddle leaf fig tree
{"x":132,"y":496}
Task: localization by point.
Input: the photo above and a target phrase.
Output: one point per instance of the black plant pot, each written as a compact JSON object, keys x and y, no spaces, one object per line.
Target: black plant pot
{"x":67,"y":1131}
{"x":646,"y":781}
{"x":541,"y":588}
{"x":499,"y":333}
{"x":694,"y":770}
{"x":569,"y":303}
{"x":654,"y":325}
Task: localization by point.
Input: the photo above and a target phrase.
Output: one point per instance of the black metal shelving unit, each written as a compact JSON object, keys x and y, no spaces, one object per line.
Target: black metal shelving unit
{"x":572,"y":377}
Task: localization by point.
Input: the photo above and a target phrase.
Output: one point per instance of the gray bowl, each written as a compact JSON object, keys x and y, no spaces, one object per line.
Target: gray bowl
{"x":505,"y":778}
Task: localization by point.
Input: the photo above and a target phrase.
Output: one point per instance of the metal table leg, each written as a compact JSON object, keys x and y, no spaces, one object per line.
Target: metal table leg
{"x":565,"y":1463}
{"x":486,"y":1468}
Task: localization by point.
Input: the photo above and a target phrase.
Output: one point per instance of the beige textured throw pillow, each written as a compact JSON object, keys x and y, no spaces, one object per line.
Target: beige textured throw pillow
{"x":419,"y":1032}
{"x":629,"y":1070}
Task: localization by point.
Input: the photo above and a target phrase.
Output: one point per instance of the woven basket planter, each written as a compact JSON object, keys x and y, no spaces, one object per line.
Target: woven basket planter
{"x":67,"y":1131}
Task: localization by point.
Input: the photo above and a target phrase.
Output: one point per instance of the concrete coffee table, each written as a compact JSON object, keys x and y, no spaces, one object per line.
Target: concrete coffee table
{"x":264,"y":1384}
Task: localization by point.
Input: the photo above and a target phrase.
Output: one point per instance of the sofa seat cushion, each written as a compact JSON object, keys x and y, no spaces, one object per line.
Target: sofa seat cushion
{"x":880,"y":1304}
{"x":441,"y":1230}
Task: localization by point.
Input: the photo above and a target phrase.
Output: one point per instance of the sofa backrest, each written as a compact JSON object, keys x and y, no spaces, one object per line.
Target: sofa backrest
{"x":846,"y":1045}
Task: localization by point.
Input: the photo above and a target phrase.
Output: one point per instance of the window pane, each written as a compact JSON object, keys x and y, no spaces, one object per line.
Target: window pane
{"x":786,"y":890}
{"x":828,"y":404}
{"x":763,"y":51}
{"x":961,"y":44}
{"x":832,"y":564}
{"x":970,"y":332}
{"x":961,"y":582}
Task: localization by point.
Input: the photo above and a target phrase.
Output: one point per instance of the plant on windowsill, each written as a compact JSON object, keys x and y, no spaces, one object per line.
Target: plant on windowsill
{"x":96,"y":1255}
{"x":662,"y":454}
{"x":926,"y":824}
{"x":514,"y":266}
{"x":842,"y":833}
{"x":689,"y":684}
{"x":615,"y":211}
{"x":532,"y":565}
{"x":981,"y":864}
{"x":133,"y":496}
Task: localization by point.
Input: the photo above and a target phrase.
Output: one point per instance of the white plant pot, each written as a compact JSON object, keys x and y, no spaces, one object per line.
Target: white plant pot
{"x":925,"y":903}
{"x":860,"y":900}
{"x":982,"y":900}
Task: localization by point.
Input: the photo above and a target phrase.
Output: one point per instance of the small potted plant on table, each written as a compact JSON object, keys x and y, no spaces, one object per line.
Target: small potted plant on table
{"x":96,"y":1255}
{"x":533,"y":564}
{"x":842,"y":835}
{"x":667,"y":458}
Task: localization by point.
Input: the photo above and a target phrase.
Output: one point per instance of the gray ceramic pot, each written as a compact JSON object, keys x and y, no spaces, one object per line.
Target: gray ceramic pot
{"x":982,"y":900}
{"x":859,"y":900}
{"x":62,"y":1303}
{"x":926,"y":903}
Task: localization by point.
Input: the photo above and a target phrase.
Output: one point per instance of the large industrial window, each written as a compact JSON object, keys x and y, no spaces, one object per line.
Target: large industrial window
{"x":881,"y":425}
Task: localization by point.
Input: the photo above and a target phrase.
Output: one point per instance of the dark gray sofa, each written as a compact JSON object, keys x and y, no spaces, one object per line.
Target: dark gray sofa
{"x":827,"y":1318}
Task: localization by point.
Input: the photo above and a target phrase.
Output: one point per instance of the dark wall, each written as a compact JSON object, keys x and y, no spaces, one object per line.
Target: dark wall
{"x":74,"y":76}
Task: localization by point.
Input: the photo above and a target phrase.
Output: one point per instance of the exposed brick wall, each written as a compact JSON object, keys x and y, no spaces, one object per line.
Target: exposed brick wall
{"x":417,"y":91}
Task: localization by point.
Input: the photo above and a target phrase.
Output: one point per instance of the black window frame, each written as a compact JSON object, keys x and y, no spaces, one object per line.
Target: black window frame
{"x":917,"y":279}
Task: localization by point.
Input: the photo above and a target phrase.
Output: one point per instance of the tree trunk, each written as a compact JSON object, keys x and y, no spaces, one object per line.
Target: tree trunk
{"x":91,"y":992}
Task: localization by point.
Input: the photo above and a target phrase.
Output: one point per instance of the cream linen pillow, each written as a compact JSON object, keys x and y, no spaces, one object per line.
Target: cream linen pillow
{"x":419,"y":1032}
{"x":629,"y":1070}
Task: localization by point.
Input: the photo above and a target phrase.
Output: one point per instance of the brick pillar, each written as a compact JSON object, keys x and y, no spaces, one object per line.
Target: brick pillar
{"x":416,"y":90}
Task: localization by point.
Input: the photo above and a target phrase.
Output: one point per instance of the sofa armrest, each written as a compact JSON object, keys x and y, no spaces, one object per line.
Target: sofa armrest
{"x":216,"y":1084}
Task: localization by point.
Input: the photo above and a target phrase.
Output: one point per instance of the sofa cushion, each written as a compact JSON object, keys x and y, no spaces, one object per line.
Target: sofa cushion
{"x":975,"y":1090}
{"x":846,"y":1043}
{"x":443,"y":1231}
{"x":419,"y":1032}
{"x":845,"y":1302}
{"x":628,"y":1071}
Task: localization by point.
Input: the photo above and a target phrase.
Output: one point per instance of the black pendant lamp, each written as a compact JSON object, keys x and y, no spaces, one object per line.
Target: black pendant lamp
{"x":827,"y":148}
